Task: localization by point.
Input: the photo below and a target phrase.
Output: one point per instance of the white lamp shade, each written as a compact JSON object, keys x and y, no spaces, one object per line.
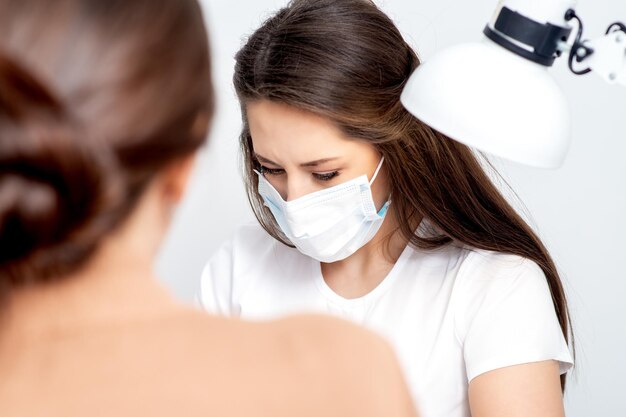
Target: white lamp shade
{"x":488,"y":98}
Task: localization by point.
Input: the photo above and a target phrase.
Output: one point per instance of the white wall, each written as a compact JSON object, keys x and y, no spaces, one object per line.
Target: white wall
{"x":578,"y":210}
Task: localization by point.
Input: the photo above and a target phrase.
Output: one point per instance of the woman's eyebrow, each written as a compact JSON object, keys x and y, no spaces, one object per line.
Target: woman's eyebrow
{"x":264,"y":160}
{"x":317,"y":162}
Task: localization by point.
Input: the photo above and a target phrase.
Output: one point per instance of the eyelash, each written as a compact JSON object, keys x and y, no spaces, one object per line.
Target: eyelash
{"x":270,"y":171}
{"x":322,"y":177}
{"x":326,"y":177}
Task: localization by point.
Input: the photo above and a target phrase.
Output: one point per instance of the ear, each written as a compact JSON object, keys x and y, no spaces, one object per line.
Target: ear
{"x":175,"y":177}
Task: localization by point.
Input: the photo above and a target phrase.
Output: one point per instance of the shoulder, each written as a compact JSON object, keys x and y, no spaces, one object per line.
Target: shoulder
{"x":334,"y":354}
{"x":228,"y":271}
{"x":505,"y":314}
{"x":341,"y":369}
{"x":495,"y":286}
{"x":489,"y":265}
{"x":482,"y":271}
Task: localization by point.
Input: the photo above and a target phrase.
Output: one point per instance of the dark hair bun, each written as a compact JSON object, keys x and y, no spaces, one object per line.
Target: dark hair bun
{"x":97,"y":98}
{"x":54,"y":202}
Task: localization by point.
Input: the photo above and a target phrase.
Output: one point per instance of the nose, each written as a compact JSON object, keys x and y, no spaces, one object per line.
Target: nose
{"x":294,"y":189}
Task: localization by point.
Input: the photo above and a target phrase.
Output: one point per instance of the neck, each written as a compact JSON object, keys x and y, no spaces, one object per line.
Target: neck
{"x":116,"y":285}
{"x":364,"y":270}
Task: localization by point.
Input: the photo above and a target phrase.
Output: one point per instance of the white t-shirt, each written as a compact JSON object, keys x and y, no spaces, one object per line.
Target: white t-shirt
{"x":451,"y":314}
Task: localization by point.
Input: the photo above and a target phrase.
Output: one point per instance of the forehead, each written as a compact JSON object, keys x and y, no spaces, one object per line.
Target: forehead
{"x":281,"y":132}
{"x":271,"y":120}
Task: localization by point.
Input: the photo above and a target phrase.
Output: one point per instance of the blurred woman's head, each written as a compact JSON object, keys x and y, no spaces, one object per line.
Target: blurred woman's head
{"x":97,"y":100}
{"x":334,"y":71}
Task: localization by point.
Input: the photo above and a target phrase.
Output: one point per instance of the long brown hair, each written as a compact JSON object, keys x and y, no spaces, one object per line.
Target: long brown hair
{"x":96,"y":97}
{"x":347,"y":61}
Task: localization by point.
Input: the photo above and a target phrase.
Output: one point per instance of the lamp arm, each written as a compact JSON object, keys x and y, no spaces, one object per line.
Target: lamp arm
{"x":606,"y":55}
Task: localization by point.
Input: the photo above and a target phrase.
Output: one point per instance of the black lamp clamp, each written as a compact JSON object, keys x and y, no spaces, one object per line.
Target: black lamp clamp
{"x":544,"y":41}
{"x":542,"y":38}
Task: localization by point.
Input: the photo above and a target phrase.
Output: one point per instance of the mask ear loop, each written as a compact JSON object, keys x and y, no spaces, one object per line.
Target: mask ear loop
{"x":383,"y":209}
{"x":380,"y":165}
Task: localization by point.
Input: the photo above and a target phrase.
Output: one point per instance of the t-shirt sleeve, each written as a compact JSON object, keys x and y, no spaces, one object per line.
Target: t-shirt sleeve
{"x":215,"y":294}
{"x":506,"y":316}
{"x":231,"y":270}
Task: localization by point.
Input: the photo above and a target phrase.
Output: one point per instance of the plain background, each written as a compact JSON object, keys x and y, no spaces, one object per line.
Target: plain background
{"x":578,"y":209}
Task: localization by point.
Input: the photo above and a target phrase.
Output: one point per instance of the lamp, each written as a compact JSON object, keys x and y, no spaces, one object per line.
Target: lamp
{"x":497,"y":95}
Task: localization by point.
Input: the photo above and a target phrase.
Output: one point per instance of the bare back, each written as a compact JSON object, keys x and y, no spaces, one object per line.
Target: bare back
{"x":195,"y":365}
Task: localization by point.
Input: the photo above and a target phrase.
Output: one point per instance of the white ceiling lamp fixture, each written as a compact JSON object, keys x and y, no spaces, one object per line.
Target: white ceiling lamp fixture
{"x":496,"y":95}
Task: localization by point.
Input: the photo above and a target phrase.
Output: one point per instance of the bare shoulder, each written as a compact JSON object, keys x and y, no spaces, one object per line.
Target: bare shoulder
{"x":210,"y":365}
{"x":303,"y":365}
{"x":349,"y":367}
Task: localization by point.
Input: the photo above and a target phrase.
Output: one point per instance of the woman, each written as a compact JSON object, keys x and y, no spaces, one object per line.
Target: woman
{"x":368,"y":214}
{"x":103,"y":105}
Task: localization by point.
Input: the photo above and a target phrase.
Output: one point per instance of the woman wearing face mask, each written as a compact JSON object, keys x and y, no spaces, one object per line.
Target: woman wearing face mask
{"x":368,"y":214}
{"x":103,"y":105}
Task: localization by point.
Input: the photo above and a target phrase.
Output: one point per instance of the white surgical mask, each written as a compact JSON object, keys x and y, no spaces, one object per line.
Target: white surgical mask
{"x":331,"y":224}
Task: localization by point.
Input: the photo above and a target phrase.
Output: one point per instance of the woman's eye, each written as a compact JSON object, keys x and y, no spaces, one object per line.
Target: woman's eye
{"x":271,"y":171}
{"x":326,"y":176}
